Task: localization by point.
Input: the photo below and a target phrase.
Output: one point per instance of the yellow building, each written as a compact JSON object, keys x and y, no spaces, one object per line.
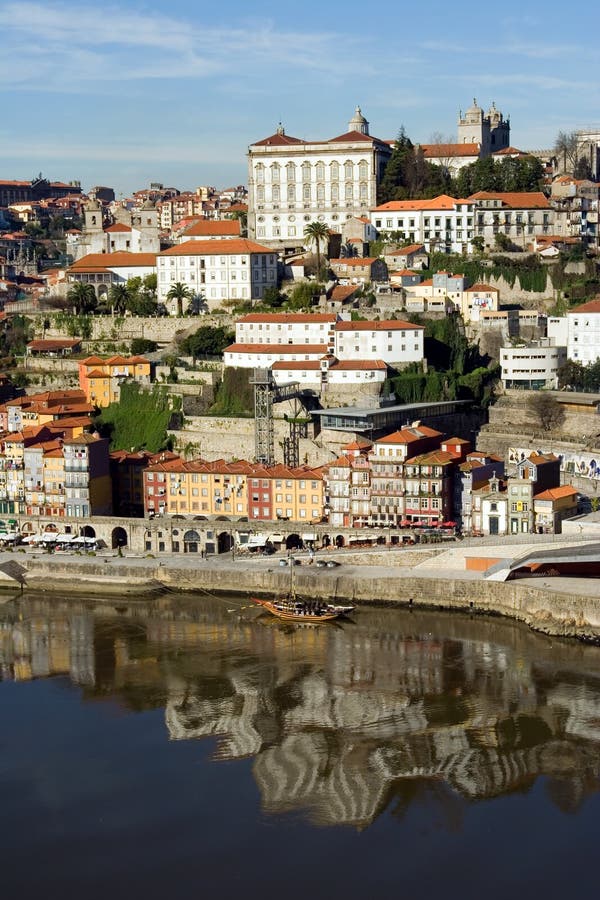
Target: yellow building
{"x":101,"y":379}
{"x":237,"y":489}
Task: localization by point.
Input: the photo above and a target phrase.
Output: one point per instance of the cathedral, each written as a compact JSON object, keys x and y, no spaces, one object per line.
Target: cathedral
{"x":490,"y":130}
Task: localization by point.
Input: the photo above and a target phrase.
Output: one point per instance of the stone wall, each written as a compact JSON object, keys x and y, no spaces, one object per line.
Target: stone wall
{"x":119,"y":329}
{"x":532,"y":601}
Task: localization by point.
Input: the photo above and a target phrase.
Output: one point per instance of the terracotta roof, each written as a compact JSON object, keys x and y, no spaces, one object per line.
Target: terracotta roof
{"x":403,"y":251}
{"x":592,"y":306}
{"x":278,"y":140}
{"x":341,"y":292}
{"x":286,"y":318}
{"x":274,"y":349}
{"x":54,"y":344}
{"x":230,"y":247}
{"x":439,"y":457}
{"x":510,"y":151}
{"x":409,"y":435}
{"x":385,"y":325}
{"x":207,"y":227}
{"x":354,"y":261}
{"x":437,"y":151}
{"x":103,"y":261}
{"x":441,"y":202}
{"x":348,"y":365}
{"x":118,"y":227}
{"x":353,"y":136}
{"x":514,"y":199}
{"x":556,"y":493}
{"x":358,"y":444}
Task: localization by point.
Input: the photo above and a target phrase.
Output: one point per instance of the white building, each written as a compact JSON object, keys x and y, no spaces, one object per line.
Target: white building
{"x":393,"y":341}
{"x":262,"y":356}
{"x":445,"y":223}
{"x":292,"y":182}
{"x":287,"y":328}
{"x":217,"y":270}
{"x":102,"y":270}
{"x":263,"y":338}
{"x":532,"y":366}
{"x":583,"y":332}
{"x":330,"y":371}
{"x":131,"y":231}
{"x":558,"y":330}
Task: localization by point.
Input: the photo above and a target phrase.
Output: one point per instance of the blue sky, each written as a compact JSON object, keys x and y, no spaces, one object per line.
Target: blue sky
{"x":124,"y":93}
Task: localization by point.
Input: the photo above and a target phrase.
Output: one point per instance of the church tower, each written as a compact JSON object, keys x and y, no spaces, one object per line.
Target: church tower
{"x":490,"y":130}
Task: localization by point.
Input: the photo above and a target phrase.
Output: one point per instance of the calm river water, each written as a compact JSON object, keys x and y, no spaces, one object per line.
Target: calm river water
{"x":179,"y":747}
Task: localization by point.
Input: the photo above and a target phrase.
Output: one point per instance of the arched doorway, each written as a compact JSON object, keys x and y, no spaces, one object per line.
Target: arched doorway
{"x":88,"y":531}
{"x":118,"y":538}
{"x":191,"y":541}
{"x":293,"y":541}
{"x":325,"y":540}
{"x":340,"y":540}
{"x":224,"y":542}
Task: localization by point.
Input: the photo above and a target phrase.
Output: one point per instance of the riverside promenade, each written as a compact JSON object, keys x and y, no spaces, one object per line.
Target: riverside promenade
{"x":428,"y":577}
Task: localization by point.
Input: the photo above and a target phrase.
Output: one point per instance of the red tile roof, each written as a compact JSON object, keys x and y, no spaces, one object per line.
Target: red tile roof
{"x":286,"y":318}
{"x":409,"y":435}
{"x":441,"y":202}
{"x":102,"y":262}
{"x":514,"y":199}
{"x":206,"y":227}
{"x":274,"y":349}
{"x":556,"y":493}
{"x":117,"y":228}
{"x":225,"y":247}
{"x":437,"y":151}
{"x":592,"y":306}
{"x":385,"y":325}
{"x":278,"y":140}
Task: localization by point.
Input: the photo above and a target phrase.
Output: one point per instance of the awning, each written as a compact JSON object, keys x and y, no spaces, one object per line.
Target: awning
{"x":257,"y":540}
{"x":277,"y":538}
{"x":309,"y":536}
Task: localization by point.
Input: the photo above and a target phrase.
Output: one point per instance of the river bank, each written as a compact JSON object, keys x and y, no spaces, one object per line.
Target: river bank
{"x":557,"y":606}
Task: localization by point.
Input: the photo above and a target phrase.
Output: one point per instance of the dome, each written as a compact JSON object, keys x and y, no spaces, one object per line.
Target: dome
{"x":358,"y":122}
{"x":148,"y":204}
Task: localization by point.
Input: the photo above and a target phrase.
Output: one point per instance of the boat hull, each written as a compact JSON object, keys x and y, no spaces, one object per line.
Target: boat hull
{"x":296,"y":614}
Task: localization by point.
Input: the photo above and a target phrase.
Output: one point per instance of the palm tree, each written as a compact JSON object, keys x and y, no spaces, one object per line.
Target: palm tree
{"x":119,"y":298}
{"x":316,"y":232}
{"x":179,"y":292}
{"x":82,"y":296}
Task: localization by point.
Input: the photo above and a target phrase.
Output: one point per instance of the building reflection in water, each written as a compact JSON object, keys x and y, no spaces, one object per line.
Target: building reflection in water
{"x":341,"y":722}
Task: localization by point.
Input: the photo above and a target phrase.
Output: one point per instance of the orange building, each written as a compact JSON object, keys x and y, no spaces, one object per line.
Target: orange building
{"x":101,"y":379}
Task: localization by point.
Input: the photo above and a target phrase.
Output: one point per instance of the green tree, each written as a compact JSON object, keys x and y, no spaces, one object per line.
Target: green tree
{"x":82,"y":297}
{"x":179,"y":292}
{"x":317,"y":233}
{"x":208,"y":340}
{"x":118,"y":297}
{"x":139,"y":346}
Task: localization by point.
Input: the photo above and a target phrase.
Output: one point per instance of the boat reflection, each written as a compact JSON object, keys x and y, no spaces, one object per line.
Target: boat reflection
{"x":341,"y":722}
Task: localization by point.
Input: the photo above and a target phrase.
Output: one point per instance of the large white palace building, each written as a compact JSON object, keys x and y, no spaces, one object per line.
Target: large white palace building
{"x":292,"y":182}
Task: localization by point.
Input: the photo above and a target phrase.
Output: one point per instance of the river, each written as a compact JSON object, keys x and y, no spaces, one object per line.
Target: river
{"x":186,"y":745}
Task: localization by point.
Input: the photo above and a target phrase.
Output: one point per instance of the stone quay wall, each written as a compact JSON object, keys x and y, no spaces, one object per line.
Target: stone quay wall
{"x":543,"y":608}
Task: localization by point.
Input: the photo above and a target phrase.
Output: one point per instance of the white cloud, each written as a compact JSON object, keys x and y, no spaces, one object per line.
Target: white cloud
{"x":72,"y":47}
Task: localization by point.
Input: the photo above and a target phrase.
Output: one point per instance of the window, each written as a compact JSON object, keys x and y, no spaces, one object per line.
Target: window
{"x":348,"y":170}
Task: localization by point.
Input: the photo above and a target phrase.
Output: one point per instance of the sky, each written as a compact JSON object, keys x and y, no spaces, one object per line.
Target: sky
{"x":126,"y":93}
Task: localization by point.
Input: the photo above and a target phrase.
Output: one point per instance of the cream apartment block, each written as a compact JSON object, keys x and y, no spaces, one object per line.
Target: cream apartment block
{"x":217,"y":270}
{"x":518,"y":215}
{"x":292,"y":182}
